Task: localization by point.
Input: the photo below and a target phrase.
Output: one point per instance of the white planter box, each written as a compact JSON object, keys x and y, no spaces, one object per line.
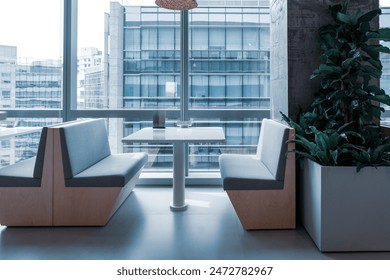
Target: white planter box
{"x":343,"y":210}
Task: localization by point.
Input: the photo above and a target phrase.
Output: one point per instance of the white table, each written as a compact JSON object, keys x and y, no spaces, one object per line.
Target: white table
{"x":179,"y":137}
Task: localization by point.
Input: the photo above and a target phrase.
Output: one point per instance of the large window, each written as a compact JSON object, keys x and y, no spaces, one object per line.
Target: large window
{"x":228,"y":74}
{"x":127,"y":66}
{"x":30,"y":71}
{"x":30,"y":54}
{"x":385,"y":58}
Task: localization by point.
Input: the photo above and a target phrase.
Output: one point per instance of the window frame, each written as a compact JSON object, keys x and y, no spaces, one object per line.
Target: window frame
{"x":69,"y":110}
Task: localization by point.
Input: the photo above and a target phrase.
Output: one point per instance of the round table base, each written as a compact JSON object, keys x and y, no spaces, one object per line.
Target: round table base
{"x":179,"y":208}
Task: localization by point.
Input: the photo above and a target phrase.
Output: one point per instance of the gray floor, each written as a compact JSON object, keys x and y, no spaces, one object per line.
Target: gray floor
{"x":145,"y":228}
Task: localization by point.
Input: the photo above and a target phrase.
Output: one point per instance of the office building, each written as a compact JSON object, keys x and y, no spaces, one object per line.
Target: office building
{"x":91,"y":79}
{"x":27,"y":84}
{"x":229,"y":62}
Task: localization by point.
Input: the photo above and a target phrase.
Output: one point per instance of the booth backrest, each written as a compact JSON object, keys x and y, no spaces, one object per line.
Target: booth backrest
{"x":38,"y":167}
{"x":26,"y":173}
{"x":83,"y":144}
{"x":273,"y":141}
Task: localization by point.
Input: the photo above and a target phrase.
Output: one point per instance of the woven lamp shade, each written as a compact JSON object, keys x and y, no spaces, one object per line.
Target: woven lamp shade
{"x":177,"y":4}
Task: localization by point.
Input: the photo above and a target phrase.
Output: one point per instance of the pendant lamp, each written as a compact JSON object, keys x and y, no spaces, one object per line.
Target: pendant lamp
{"x":177,"y":4}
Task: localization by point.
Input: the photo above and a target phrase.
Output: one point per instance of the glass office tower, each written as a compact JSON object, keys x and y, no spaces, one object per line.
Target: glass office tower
{"x":229,"y":66}
{"x":26,"y":84}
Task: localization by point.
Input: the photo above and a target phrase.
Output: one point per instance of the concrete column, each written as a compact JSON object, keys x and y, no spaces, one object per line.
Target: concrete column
{"x":115,"y":73}
{"x":116,"y":28}
{"x":295,"y":50}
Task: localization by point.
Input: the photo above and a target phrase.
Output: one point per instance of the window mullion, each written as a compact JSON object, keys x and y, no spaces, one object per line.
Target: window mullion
{"x":184,"y":66}
{"x":184,"y":76}
{"x":69,"y":99}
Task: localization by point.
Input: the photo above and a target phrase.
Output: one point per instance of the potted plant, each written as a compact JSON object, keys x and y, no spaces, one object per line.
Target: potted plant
{"x":345,"y":187}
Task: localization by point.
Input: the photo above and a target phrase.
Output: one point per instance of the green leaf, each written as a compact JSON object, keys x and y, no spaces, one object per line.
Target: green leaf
{"x":354,"y":54}
{"x":354,"y":105}
{"x":322,"y":141}
{"x":377,"y":48}
{"x":306,"y":155}
{"x":315,"y":74}
{"x":291,"y":123}
{"x":376,"y":63}
{"x":371,"y":71}
{"x":382,"y":34}
{"x":376,"y":90}
{"x":331,"y":53}
{"x":328,"y":68}
{"x":369,"y":16}
{"x":375,"y":111}
{"x":345,"y":6}
{"x":365,"y":27}
{"x":344,"y":126}
{"x":351,"y":19}
{"x":356,"y":135}
{"x":323,"y":158}
{"x":379,"y":152}
{"x":347,"y":63}
{"x":334,"y":140}
{"x":381,"y":98}
{"x":335,"y":156}
{"x":335,"y":9}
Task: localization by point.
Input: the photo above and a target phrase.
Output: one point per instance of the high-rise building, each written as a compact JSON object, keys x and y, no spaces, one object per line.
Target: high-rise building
{"x":90,"y":79}
{"x":38,"y":84}
{"x":229,"y":51}
{"x":26,"y":84}
{"x":94,"y":96}
{"x":8,"y":61}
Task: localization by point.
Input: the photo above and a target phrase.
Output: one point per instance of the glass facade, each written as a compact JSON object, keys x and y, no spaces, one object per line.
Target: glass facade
{"x":228,"y":58}
{"x":30,"y":72}
{"x":91,"y":93}
{"x":136,"y":70}
{"x":38,"y":85}
{"x":26,"y":85}
{"x":228,"y":69}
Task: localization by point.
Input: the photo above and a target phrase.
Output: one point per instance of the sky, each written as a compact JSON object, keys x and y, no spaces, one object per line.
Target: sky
{"x":38,"y":32}
{"x":35,"y":33}
{"x":384,"y":2}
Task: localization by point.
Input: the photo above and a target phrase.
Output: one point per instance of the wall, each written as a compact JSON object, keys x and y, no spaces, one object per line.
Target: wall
{"x":295,"y":52}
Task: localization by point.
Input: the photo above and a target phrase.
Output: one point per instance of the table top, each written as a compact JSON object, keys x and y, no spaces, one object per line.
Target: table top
{"x":7,"y":132}
{"x":177,"y":134}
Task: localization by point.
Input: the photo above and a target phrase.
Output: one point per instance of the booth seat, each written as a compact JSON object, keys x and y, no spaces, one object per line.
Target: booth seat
{"x":73,"y":181}
{"x":26,"y":188}
{"x":90,"y":183}
{"x":261,"y":187}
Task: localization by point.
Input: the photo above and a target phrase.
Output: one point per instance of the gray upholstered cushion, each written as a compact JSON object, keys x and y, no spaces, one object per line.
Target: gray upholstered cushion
{"x":38,"y":168}
{"x":246,"y":172}
{"x":112,"y":171}
{"x":259,"y":146}
{"x":274,"y":147}
{"x":19,"y":175}
{"x":83,"y":144}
